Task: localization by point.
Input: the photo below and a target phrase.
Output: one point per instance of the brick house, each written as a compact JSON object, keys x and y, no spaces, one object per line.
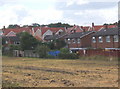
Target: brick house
{"x":8,"y":40}
{"x":38,"y":32}
{"x":79,"y":40}
{"x":94,"y":27}
{"x":11,"y":40}
{"x":106,"y":38}
{"x":77,"y":28}
{"x":100,"y":27}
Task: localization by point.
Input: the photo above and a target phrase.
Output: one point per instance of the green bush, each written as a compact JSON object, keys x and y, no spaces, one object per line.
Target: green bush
{"x":42,"y":51}
{"x":68,"y":56}
{"x":50,"y":57}
{"x":64,"y":50}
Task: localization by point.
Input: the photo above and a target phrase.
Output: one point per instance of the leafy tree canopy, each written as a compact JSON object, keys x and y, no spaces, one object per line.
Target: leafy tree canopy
{"x":56,"y":44}
{"x":13,"y":26}
{"x":27,"y":41}
{"x":42,"y":50}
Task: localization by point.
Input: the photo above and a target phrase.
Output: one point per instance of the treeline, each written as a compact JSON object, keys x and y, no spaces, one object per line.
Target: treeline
{"x":110,"y":23}
{"x":59,"y":24}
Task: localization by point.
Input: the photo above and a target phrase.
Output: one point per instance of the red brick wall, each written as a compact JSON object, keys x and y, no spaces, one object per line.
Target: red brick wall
{"x":84,"y":42}
{"x":105,"y":44}
{"x":100,"y":52}
{"x":74,"y":45}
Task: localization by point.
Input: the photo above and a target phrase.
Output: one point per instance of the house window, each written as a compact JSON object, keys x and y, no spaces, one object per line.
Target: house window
{"x":69,"y":41}
{"x":73,"y":40}
{"x":78,"y":40}
{"x":115,"y":38}
{"x":93,"y":39}
{"x":6,"y":42}
{"x":100,"y":39}
{"x":65,"y":40}
{"x":107,"y":38}
{"x":16,"y":42}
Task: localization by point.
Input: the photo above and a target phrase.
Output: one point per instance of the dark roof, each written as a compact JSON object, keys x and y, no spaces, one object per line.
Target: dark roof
{"x":79,"y":34}
{"x":109,"y":31}
{"x":53,"y":37}
{"x":12,"y":38}
{"x":50,"y":37}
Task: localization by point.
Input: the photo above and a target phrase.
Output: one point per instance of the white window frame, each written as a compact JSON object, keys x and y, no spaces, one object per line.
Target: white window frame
{"x":16,"y":42}
{"x":73,"y":40}
{"x":69,"y":40}
{"x":6,"y":42}
{"x":115,"y":37}
{"x":108,"y":39}
{"x":94,"y":39}
{"x":100,"y":38}
{"x":78,"y":40}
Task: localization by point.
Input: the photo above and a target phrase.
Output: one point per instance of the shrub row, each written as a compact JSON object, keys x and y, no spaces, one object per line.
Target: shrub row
{"x":68,"y":56}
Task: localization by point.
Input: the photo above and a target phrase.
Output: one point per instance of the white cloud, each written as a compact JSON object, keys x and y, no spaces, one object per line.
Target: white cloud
{"x":42,"y":16}
{"x":86,"y":17}
{"x":19,"y":14}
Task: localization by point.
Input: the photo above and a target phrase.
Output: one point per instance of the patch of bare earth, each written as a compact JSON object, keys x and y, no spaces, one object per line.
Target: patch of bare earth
{"x":32,"y":72}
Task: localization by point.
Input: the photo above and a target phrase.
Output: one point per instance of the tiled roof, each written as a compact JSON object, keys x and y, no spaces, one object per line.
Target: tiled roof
{"x":44,"y":29}
{"x":100,"y":27}
{"x":79,"y":34}
{"x":15,"y":38}
{"x":29,"y":30}
{"x":86,"y":28}
{"x":53,"y":37}
{"x":38,"y":38}
{"x":109,"y":31}
{"x":74,"y":28}
{"x":17,"y":30}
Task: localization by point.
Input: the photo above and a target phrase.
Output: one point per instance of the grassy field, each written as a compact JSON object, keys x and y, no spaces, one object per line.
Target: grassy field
{"x":34,"y":72}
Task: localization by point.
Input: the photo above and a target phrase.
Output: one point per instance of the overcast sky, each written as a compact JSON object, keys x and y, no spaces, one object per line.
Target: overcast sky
{"x":79,"y":12}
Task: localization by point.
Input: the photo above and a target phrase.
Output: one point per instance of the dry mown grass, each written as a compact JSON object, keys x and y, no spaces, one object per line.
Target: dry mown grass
{"x":33,"y":72}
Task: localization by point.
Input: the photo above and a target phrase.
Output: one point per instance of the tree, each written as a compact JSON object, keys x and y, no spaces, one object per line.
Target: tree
{"x":56,"y":44}
{"x":42,"y":51}
{"x":59,"y":24}
{"x":13,"y":26}
{"x":51,"y":45}
{"x":64,"y":50}
{"x":27,"y":41}
{"x":59,"y":43}
{"x":36,"y":25}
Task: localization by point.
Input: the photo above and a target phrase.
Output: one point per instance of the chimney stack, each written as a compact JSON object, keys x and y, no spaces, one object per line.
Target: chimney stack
{"x":106,"y":26}
{"x":3,"y":27}
{"x":116,"y":24}
{"x":93,"y":26}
